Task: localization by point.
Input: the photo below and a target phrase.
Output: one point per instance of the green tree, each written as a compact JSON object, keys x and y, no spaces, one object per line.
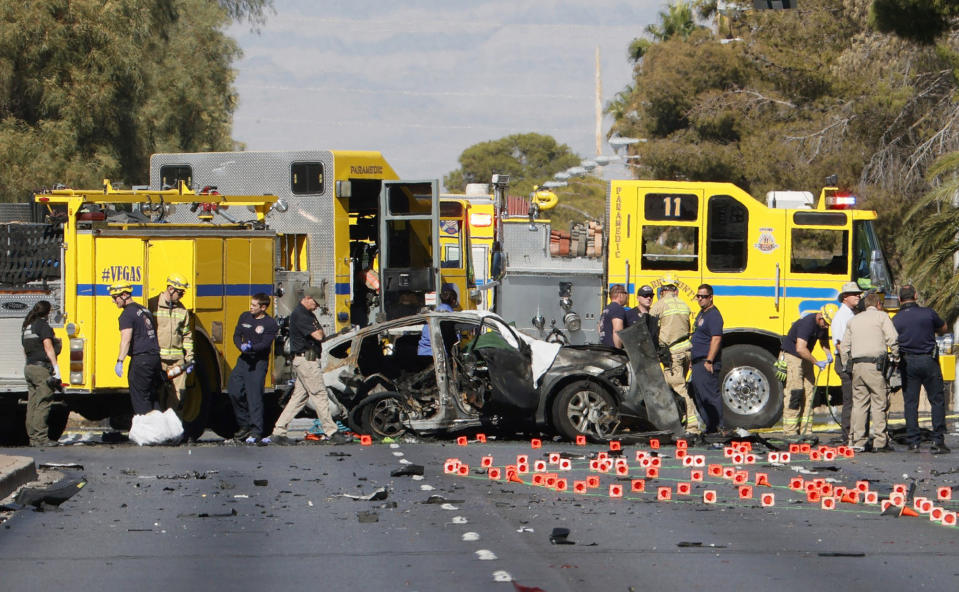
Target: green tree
{"x":584,"y":198}
{"x":527,"y":158}
{"x":922,"y":21}
{"x":89,"y":89}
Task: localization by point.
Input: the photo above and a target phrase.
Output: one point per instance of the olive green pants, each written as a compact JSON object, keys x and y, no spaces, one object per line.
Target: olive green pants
{"x":40,"y":400}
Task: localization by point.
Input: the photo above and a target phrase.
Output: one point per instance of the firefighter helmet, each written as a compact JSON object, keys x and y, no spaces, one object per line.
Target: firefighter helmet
{"x":829,"y":312}
{"x":177,"y":281}
{"x":120,"y":287}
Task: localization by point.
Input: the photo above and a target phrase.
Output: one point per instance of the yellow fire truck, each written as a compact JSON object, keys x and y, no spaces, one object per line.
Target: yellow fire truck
{"x":110,"y":235}
{"x":768,"y":265}
{"x":341,"y":214}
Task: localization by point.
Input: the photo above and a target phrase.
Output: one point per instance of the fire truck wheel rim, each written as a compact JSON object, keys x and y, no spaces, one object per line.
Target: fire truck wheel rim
{"x":746,"y":390}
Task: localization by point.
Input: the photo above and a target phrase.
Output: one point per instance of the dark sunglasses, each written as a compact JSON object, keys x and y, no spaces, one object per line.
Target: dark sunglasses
{"x":701,"y":296}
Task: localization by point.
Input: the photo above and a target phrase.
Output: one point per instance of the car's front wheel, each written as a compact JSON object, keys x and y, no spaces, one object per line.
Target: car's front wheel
{"x":585,"y":408}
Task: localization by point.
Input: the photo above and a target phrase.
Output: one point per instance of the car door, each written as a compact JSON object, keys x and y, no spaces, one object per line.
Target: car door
{"x":509,"y":366}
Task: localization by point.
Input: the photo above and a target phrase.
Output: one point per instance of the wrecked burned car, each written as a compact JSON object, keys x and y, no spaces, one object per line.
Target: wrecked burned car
{"x":481,"y":372}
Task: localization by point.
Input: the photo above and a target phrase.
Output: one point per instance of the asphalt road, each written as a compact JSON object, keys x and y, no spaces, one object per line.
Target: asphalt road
{"x":175,"y":518}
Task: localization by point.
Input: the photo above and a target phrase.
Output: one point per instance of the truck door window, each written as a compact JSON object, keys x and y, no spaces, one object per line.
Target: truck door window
{"x":306,"y":178}
{"x":671,"y":247}
{"x":451,"y":257}
{"x":726,"y":234}
{"x":816,"y":250}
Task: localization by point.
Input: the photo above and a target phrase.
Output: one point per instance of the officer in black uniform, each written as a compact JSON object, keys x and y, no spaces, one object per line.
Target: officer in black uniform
{"x":41,"y":372}
{"x":254,"y":335}
{"x":306,"y":336}
{"x":138,"y":339}
{"x":917,"y":327}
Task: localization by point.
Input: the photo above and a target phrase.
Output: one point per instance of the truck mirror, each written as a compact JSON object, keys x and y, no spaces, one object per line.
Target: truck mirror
{"x":496,"y":266}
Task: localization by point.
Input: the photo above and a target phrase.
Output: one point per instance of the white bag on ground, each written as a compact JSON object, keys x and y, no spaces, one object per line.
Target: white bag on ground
{"x":156,"y":428}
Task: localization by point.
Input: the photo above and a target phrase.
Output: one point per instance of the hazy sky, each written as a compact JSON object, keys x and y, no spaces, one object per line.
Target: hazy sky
{"x":421,"y":80}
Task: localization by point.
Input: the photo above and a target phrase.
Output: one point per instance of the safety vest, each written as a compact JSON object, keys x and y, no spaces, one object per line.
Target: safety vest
{"x":673,"y":315}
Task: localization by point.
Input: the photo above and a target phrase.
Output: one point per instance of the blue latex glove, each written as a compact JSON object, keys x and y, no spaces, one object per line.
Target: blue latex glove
{"x":822,"y":364}
{"x":829,"y":357}
{"x":188,"y":369}
{"x":119,"y":369}
{"x":246,"y":346}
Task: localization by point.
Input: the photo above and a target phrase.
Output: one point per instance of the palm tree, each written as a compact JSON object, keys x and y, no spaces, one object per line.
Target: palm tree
{"x":930,"y":259}
{"x":677,"y":21}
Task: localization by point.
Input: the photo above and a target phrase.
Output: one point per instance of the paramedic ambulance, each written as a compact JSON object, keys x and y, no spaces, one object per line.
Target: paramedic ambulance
{"x":768,"y":265}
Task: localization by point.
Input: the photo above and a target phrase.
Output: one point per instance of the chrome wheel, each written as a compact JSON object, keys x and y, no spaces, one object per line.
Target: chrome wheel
{"x":746,"y":390}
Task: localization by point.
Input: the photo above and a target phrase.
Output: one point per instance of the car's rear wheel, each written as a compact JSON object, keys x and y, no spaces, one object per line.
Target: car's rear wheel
{"x":584,"y":408}
{"x":382,"y":416}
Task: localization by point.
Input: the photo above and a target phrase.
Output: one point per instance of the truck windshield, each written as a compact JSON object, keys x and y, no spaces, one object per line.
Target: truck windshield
{"x":870,"y":269}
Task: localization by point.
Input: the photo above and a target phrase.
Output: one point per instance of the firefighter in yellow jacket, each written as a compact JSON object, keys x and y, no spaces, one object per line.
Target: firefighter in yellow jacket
{"x":673,"y":315}
{"x":175,"y":336}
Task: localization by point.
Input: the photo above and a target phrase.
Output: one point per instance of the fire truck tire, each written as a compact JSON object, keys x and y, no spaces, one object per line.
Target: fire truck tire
{"x":204,"y":406}
{"x":752,"y":395}
{"x":584,"y":408}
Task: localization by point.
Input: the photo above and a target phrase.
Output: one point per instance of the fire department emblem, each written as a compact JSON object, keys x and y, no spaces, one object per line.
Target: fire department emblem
{"x":767,"y":242}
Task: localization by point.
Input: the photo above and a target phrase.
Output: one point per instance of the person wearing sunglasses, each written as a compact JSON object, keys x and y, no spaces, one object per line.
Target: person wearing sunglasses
{"x":706,"y":343}
{"x":175,"y":337}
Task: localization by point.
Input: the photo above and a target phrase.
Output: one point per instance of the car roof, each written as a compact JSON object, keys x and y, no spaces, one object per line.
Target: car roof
{"x":462,"y":315}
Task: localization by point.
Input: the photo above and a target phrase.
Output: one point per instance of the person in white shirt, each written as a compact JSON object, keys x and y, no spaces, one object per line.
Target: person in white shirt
{"x":849,"y":298}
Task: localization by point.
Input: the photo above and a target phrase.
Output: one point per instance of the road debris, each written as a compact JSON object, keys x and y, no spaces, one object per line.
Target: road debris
{"x":378,"y":495}
{"x":53,"y":495}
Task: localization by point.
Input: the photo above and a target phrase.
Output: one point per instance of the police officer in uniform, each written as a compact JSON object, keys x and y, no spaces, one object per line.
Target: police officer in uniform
{"x":613,"y":318}
{"x":868,"y":336}
{"x":40,"y":348}
{"x":917,"y":327}
{"x":640,"y":312}
{"x":706,"y":343}
{"x":305,"y":347}
{"x":797,"y":348}
{"x":138,"y":339}
{"x":254,"y":335}
{"x":849,"y":298}
{"x":673,"y":315}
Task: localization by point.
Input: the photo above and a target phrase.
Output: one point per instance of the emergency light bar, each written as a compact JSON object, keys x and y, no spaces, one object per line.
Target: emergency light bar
{"x":840,"y":201}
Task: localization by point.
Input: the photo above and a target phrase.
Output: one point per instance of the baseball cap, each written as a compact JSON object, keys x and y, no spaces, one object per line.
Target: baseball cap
{"x":645,"y":291}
